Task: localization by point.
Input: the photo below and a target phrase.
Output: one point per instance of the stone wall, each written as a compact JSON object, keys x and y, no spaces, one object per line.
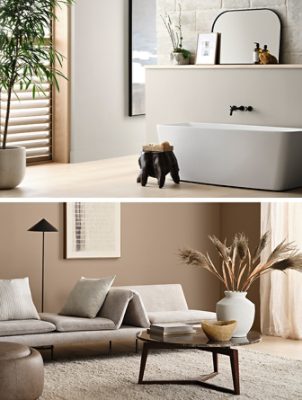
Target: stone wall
{"x":198,"y":17}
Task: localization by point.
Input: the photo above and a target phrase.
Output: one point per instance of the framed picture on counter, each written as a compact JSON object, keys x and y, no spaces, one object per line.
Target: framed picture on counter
{"x":207,"y":48}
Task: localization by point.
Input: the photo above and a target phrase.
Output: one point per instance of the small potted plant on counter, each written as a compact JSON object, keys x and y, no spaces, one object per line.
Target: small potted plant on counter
{"x":238,"y":270}
{"x":27,"y":61}
{"x":179,"y":55}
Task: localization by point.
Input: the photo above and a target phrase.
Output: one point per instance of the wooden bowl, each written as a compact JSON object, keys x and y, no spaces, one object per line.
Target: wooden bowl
{"x":219,"y":331}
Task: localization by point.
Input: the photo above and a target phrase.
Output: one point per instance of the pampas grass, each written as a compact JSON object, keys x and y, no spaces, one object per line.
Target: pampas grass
{"x":239,"y":267}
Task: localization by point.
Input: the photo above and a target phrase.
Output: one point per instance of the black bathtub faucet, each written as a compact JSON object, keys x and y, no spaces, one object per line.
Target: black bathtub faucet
{"x":240,"y":108}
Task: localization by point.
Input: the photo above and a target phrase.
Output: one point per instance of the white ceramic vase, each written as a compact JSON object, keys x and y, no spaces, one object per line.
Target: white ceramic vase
{"x":12,"y":166}
{"x":178,"y":59}
{"x":235,"y":306}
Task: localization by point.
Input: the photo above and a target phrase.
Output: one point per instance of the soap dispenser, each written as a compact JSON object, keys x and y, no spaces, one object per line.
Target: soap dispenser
{"x":256,"y":52}
{"x":265,"y":57}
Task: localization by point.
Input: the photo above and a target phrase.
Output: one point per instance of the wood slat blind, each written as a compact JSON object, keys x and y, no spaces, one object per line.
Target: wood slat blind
{"x":30,"y":122}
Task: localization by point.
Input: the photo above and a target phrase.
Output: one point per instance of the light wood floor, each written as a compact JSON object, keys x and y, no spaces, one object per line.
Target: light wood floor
{"x":116,"y":178}
{"x":279,"y":347}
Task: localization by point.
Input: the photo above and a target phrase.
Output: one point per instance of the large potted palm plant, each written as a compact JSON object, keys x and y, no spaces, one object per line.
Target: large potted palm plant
{"x":238,"y":269}
{"x":27,"y":61}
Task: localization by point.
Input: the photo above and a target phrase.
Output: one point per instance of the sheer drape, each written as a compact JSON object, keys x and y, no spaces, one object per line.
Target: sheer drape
{"x":281,"y":293}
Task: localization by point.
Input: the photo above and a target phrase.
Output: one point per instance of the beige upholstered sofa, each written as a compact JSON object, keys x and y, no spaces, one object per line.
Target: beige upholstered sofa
{"x":126,"y":311}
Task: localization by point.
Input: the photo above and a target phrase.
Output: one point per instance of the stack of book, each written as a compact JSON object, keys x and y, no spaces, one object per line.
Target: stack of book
{"x":171,"y":329}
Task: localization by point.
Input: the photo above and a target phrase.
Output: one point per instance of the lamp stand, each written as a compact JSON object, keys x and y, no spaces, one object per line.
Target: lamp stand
{"x":43,"y":226}
{"x":42,"y":300}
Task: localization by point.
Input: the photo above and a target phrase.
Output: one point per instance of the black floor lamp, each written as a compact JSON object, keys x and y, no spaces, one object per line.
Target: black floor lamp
{"x":43,"y":226}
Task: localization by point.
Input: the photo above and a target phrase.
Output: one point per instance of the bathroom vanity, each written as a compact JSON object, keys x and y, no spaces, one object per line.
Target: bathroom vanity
{"x":271,"y":96}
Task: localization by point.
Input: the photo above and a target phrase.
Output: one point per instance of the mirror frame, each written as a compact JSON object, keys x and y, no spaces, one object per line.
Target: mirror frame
{"x":130,"y":69}
{"x":130,"y":62}
{"x":250,"y":9}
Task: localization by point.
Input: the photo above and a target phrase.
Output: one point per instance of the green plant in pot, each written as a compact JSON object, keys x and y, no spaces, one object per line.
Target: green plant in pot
{"x":238,"y":269}
{"x":27,"y":61}
{"x":179,"y":55}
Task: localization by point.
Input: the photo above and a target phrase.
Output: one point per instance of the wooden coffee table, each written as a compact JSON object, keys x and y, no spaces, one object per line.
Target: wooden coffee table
{"x":198,"y":341}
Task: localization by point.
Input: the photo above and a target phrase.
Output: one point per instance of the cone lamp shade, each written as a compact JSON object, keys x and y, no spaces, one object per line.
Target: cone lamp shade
{"x":43,"y":226}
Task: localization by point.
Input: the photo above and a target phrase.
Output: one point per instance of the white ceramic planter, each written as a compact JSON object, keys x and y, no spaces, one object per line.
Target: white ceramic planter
{"x":12,"y":167}
{"x":178,"y":59}
{"x":235,"y":306}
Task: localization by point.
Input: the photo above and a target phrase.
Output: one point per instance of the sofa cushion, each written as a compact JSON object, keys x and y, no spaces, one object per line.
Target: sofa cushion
{"x":15,"y":300}
{"x":162,"y":297}
{"x":72,"y":324}
{"x":136,"y":314}
{"x":87,"y":297}
{"x":115,"y":305}
{"x":189,"y":316}
{"x":25,"y":327}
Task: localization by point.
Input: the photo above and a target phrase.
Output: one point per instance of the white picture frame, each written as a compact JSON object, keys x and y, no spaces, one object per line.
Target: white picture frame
{"x":92,"y":230}
{"x":207,"y":48}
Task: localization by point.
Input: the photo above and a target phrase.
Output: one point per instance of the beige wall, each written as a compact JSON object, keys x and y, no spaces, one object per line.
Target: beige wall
{"x":244,"y":217}
{"x":151,"y":236}
{"x":192,"y":96}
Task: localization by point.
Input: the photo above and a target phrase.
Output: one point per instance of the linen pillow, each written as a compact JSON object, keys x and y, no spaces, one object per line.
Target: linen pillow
{"x":136,"y":314}
{"x":15,"y":300}
{"x":87,"y":297}
{"x":115,"y":305}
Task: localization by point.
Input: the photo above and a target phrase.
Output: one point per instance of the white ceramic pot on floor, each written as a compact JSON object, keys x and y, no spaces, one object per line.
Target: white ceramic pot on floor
{"x":12,"y":166}
{"x":235,"y":306}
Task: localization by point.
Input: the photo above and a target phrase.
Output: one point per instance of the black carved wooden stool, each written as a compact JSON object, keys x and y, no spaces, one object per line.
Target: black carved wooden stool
{"x":158,"y":164}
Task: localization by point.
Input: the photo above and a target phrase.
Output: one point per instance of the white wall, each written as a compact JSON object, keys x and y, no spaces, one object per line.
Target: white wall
{"x":205,"y":94}
{"x":199,"y":15}
{"x":100,"y":125}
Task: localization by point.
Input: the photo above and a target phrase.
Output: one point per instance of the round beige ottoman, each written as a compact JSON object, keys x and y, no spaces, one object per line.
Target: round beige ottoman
{"x":21,"y":372}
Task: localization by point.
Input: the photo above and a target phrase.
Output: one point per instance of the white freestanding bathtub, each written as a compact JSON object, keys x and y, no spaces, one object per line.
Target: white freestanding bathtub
{"x":256,"y":157}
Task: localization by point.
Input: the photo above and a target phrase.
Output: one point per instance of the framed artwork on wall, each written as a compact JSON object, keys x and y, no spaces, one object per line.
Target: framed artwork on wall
{"x":92,"y":230}
{"x":207,"y":48}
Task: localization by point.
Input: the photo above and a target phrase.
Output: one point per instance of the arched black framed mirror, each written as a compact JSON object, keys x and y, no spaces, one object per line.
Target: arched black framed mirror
{"x":240,"y":29}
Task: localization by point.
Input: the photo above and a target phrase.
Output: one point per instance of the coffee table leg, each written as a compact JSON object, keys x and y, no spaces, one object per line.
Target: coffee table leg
{"x":235,"y":370}
{"x":143,"y":362}
{"x":215,"y":361}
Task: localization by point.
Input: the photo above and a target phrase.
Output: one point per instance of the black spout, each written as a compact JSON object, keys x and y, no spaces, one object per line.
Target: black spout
{"x":240,"y":108}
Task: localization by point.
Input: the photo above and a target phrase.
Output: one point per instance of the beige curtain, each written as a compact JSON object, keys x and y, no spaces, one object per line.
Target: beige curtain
{"x":281,"y":293}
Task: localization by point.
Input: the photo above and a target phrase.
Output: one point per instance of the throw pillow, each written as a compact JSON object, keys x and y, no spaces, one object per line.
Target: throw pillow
{"x":115,"y":305}
{"x":136,"y":314}
{"x":87,"y":297}
{"x":15,"y":300}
